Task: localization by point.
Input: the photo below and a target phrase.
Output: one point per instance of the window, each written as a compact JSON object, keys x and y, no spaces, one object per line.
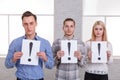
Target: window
{"x":10,"y":17}
{"x":94,"y":10}
{"x":3,"y":34}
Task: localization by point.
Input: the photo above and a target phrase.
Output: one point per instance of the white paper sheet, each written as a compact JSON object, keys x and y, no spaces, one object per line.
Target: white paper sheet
{"x":30,"y":56}
{"x":69,"y":52}
{"x":99,"y":49}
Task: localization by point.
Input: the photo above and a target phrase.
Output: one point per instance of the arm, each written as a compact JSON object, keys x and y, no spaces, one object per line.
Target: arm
{"x":55,"y":50}
{"x":82,"y":50}
{"x":48,"y":56}
{"x":88,"y":53}
{"x":109,"y":53}
{"x":12,"y":56}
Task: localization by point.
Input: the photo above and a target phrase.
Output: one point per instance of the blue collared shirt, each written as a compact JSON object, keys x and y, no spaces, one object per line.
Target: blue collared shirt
{"x":28,"y":72}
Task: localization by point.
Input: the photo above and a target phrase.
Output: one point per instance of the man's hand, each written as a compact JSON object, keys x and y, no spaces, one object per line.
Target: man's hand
{"x":78,"y":55}
{"x":60,"y":54}
{"x":16,"y":56}
{"x":42,"y":55}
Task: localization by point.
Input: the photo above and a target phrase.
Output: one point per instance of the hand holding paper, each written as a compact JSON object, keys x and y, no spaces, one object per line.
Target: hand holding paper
{"x":16,"y":56}
{"x":42,"y":55}
{"x":108,"y":55}
{"x":99,"y":49}
{"x":89,"y":54}
{"x":69,"y":47}
{"x":29,"y":50}
{"x":60,"y":54}
{"x":77,"y":54}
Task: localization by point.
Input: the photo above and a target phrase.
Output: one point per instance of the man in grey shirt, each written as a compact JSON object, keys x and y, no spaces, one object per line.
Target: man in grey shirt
{"x":68,"y":71}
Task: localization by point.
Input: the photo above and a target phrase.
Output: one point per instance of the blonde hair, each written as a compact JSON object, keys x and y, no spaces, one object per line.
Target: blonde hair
{"x":104,"y":36}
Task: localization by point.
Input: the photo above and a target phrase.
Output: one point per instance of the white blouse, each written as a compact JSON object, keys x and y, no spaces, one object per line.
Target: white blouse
{"x":98,"y":68}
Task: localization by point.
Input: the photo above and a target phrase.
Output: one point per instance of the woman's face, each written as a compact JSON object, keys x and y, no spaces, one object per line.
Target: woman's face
{"x":98,"y":31}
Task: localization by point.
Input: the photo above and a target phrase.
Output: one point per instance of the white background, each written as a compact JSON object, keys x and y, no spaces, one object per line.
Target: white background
{"x":11,"y":23}
{"x":109,"y":12}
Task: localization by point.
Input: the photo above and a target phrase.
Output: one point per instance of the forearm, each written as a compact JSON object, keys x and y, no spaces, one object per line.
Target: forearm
{"x":9,"y":63}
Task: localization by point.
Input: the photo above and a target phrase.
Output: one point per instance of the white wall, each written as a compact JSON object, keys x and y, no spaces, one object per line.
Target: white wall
{"x":101,"y":7}
{"x":109,"y":12}
{"x":11,"y":23}
{"x":65,"y":9}
{"x":19,"y":6}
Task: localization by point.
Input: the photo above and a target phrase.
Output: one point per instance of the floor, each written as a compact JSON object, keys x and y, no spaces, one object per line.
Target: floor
{"x":9,"y":74}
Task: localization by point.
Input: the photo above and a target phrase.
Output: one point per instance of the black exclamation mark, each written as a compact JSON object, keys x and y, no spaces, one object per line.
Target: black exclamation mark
{"x":99,"y":51}
{"x":30,"y":49}
{"x":69,"y":45}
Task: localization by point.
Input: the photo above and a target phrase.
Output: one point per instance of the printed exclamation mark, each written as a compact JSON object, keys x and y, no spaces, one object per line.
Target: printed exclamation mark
{"x":69,"y":45}
{"x":30,"y":49}
{"x":99,"y":46}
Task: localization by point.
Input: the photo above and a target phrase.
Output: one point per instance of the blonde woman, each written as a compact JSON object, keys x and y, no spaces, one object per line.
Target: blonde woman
{"x":97,"y":71}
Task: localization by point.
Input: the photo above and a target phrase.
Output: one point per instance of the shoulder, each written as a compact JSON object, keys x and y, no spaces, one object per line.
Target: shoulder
{"x":80,"y":42}
{"x":18,"y":39}
{"x":57,"y":41}
{"x":42,"y":40}
{"x":109,"y":43}
{"x":88,"y":41}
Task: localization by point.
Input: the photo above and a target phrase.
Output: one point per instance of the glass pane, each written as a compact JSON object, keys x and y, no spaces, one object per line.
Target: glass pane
{"x":44,"y":28}
{"x":19,"y":6}
{"x":87,"y":26}
{"x":113,"y":24}
{"x":101,"y":7}
{"x":3,"y":35}
{"x":10,"y":16}
{"x":15,"y":27}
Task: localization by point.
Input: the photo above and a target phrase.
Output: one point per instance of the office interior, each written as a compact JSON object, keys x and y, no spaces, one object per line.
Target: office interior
{"x":51,"y":14}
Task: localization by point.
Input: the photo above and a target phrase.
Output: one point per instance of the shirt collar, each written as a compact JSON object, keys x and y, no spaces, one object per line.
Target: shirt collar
{"x":35,"y":37}
{"x":65,"y":38}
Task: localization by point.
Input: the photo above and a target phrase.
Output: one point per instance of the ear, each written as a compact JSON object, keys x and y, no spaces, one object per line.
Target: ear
{"x":22,"y":24}
{"x":36,"y":24}
{"x":63,"y":27}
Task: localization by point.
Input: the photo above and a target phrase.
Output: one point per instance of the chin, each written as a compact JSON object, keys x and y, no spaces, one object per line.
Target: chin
{"x":69,"y":34}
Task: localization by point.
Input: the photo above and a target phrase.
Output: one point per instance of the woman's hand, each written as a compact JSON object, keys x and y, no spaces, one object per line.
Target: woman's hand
{"x":108,"y":55}
{"x":89,"y":55}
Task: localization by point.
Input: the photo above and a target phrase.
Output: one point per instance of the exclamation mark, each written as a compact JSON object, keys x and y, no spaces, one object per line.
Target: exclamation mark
{"x":99,"y":51}
{"x":30,"y":49}
{"x":69,"y":45}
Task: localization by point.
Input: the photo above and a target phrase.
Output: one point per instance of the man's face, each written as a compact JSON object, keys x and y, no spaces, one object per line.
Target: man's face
{"x":69,"y":28}
{"x":29,"y":25}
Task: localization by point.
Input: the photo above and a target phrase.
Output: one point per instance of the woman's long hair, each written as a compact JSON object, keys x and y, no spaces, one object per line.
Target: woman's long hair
{"x":104,"y":36}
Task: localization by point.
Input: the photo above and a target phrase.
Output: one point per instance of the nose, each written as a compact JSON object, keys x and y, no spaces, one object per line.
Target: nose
{"x":28,"y":27}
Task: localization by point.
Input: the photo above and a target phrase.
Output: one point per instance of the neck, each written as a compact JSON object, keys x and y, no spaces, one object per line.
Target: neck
{"x":30,"y":36}
{"x":98,"y":38}
{"x":69,"y":36}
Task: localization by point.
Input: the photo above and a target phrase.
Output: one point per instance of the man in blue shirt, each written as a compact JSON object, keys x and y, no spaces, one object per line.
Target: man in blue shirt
{"x":29,"y":72}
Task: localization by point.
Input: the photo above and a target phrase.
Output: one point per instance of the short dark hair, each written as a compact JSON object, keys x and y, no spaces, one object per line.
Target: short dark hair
{"x":27,"y":14}
{"x":69,"y":19}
